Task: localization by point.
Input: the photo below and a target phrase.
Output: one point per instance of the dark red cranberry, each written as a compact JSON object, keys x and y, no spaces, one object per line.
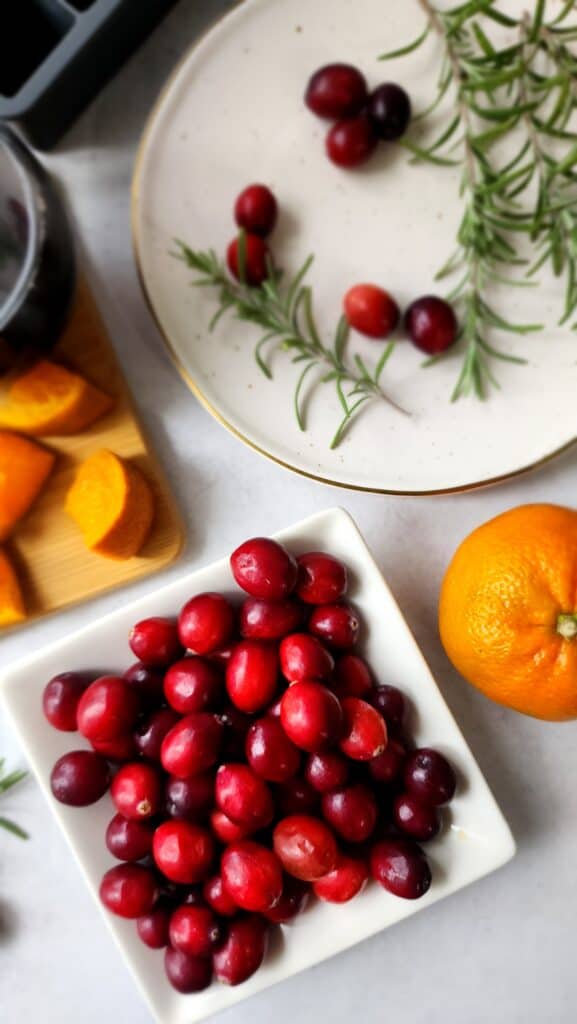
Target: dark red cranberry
{"x":336,"y":624}
{"x":304,"y":657}
{"x":193,"y":684}
{"x":252,"y":674}
{"x":150,"y":732}
{"x":152,"y":928}
{"x":390,"y":111}
{"x":155,"y":641}
{"x":294,"y":898}
{"x":415,"y":818}
{"x":352,"y":678}
{"x":371,"y":310}
{"x":252,"y":874}
{"x":327,"y":771}
{"x":136,"y":790}
{"x":351,"y":811}
{"x":192,"y":745}
{"x":128,"y":840}
{"x":128,"y":890}
{"x":430,"y":777}
{"x":227,"y":830}
{"x":147,"y":681}
{"x":222,"y":656}
{"x":387,"y":767}
{"x":296,"y":796}
{"x":335,"y":91}
{"x":256,"y":210}
{"x":236,"y":725}
{"x":206,"y":623}
{"x":107,"y":709}
{"x":311,"y":716}
{"x":364,"y":731}
{"x":255,"y":267}
{"x":243,"y":950}
{"x":401,"y":867}
{"x":391,"y":704}
{"x":264,"y":569}
{"x":79,"y":778}
{"x":344,"y":882}
{"x":305,"y":847}
{"x":322,"y":579}
{"x":431,"y":324}
{"x":243,"y":796}
{"x":184,"y":852}
{"x":185,"y":973}
{"x":269,"y":751}
{"x":269,"y":620}
{"x":190,"y":798}
{"x":61,"y":698}
{"x":352,"y":142}
{"x":121,"y":749}
{"x":194,"y":930}
{"x":218,"y":898}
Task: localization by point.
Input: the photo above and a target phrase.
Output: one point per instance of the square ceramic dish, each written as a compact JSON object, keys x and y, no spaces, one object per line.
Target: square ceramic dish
{"x":475,"y":841}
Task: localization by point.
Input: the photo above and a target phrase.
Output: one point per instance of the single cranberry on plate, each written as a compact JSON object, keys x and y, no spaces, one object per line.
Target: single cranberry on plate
{"x":242,"y":951}
{"x":252,"y":674}
{"x":129,"y":890}
{"x":401,"y":867}
{"x":243,"y":796}
{"x":152,"y":928}
{"x":192,"y":745}
{"x":107,"y":709}
{"x":150,"y":732}
{"x":351,"y":812}
{"x":206,"y":623}
{"x":264,"y":569}
{"x":431,"y":324}
{"x":351,"y":142}
{"x":247,"y":259}
{"x":296,"y":796}
{"x":387,"y":767}
{"x":326,"y":771}
{"x":269,"y":751}
{"x":294,"y":898}
{"x":344,"y":882}
{"x":193,"y":684}
{"x":183,"y":852}
{"x":352,"y":678}
{"x":155,"y":641}
{"x":194,"y":930}
{"x":336,"y":624}
{"x":217,"y":897}
{"x":364,"y":731}
{"x":389,"y":108}
{"x":186,"y":973}
{"x":190,"y":798}
{"x":61,"y":698}
{"x":79,"y":778}
{"x":269,"y":620}
{"x":430,"y":777}
{"x":415,"y":818}
{"x":128,"y":839}
{"x":136,"y":790}
{"x":371,"y":310}
{"x":311,"y":716}
{"x":256,"y":210}
{"x":252,"y":874}
{"x":322,"y":579}
{"x":391,"y":704}
{"x":335,"y":91}
{"x":304,"y":657}
{"x":147,"y":682}
{"x":305,"y":846}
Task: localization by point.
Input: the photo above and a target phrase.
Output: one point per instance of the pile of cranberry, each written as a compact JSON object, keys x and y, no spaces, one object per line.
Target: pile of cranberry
{"x":252,"y":762}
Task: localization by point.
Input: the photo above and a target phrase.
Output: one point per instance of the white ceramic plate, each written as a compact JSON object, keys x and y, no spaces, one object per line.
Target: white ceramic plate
{"x":232,"y":114}
{"x":475,"y":841}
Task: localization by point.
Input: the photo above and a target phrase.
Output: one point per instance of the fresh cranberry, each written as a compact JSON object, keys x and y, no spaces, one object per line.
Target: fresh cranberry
{"x":401,"y":867}
{"x":269,"y":620}
{"x":351,"y":811}
{"x":391,"y":704}
{"x":243,"y":796}
{"x":431,"y":324}
{"x":190,"y":798}
{"x":264,"y":569}
{"x":194,"y":930}
{"x":150,"y":732}
{"x":322,"y":579}
{"x":185,"y":973}
{"x":79,"y":778}
{"x":206,"y":623}
{"x":236,"y":725}
{"x":121,"y":749}
{"x":337,"y":624}
{"x":430,"y":777}
{"x":243,"y":950}
{"x":256,"y":210}
{"x":61,"y":698}
{"x":147,"y":682}
{"x":305,"y":847}
{"x":128,"y":890}
{"x":227,"y":830}
{"x":352,"y":677}
{"x":184,"y":852}
{"x":294,"y":898}
{"x":415,"y":818}
{"x":107,"y":709}
{"x":364,"y":731}
{"x":344,"y":882}
{"x":351,"y":142}
{"x":192,"y":745}
{"x":256,"y":259}
{"x":371,"y":310}
{"x":252,"y":874}
{"x":387,"y":767}
{"x":327,"y":771}
{"x":337,"y":90}
{"x":155,"y":641}
{"x":252,"y":674}
{"x":128,"y":839}
{"x":152,"y":928}
{"x":136,"y":791}
{"x":218,"y":898}
{"x":273,"y":710}
{"x":311,"y":716}
{"x":304,"y":657}
{"x":269,"y":751}
{"x":390,"y":111}
{"x":296,"y":796}
{"x":193,"y":684}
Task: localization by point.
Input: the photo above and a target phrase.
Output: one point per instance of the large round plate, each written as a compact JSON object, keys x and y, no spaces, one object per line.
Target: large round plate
{"x":233,"y":113}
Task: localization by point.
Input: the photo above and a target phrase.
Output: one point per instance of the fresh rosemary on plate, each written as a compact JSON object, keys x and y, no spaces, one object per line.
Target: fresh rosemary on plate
{"x":6,"y":783}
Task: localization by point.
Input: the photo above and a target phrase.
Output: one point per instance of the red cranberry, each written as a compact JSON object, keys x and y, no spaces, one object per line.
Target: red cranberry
{"x":222,"y":656}
{"x":364,"y":731}
{"x":311,"y":716}
{"x":391,"y":704}
{"x":401,"y":867}
{"x":107,"y":709}
{"x":390,"y":111}
{"x":273,"y":710}
{"x":229,"y":831}
{"x":128,"y":890}
{"x":305,"y":847}
{"x":193,"y":684}
{"x":256,"y":210}
{"x":414,"y":818}
{"x":344,"y":882}
{"x":185,"y":973}
{"x":269,"y":751}
{"x":79,"y":778}
{"x":128,"y":840}
{"x":136,"y":791}
{"x":431,"y":324}
{"x":371,"y":310}
{"x":264,"y":569}
{"x":243,"y":950}
{"x":351,"y":811}
{"x":252,"y":875}
{"x":184,"y":852}
{"x":194,"y":930}
{"x":218,"y":898}
{"x":236,"y":725}
{"x":61,"y":698}
{"x":152,"y":928}
{"x":243,"y":796}
{"x":430,"y":777}
{"x":327,"y":771}
{"x":269,"y":620}
{"x":251,"y":675}
{"x":192,"y":745}
{"x":294,"y":898}
{"x":386,"y":767}
{"x":337,"y":90}
{"x":190,"y":798}
{"x":155,"y":641}
{"x":337,"y":624}
{"x":296,"y":796}
{"x":322,"y":579}
{"x":352,"y":677}
{"x":304,"y":657}
{"x":206,"y":623}
{"x":351,"y":142}
{"x":147,"y":682}
{"x":150,"y":732}
{"x":123,"y":748}
{"x":256,"y":259}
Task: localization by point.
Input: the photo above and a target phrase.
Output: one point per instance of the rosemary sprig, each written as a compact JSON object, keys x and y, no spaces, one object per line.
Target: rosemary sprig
{"x":285,"y":317}
{"x":6,"y":783}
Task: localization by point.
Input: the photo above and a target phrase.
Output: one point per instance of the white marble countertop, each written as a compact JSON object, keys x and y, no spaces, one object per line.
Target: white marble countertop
{"x":501,"y":951}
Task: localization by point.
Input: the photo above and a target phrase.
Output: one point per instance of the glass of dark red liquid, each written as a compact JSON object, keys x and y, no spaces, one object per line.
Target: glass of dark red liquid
{"x":37,"y":258}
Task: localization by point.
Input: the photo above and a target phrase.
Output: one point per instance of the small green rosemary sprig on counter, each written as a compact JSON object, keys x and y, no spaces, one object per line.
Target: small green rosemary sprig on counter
{"x":6,"y":783}
{"x":285,"y":317}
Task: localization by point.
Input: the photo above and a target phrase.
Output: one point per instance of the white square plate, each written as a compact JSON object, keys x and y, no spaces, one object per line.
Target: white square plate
{"x":475,"y":841}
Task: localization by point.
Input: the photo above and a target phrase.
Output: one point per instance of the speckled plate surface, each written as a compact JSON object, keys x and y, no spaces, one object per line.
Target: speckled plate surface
{"x":232,"y":114}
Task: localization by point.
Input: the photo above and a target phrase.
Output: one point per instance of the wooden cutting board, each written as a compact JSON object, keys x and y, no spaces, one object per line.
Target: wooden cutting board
{"x":55,"y":567}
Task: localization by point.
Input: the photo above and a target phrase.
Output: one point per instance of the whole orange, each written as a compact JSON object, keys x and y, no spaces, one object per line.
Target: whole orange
{"x":508,"y":610}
